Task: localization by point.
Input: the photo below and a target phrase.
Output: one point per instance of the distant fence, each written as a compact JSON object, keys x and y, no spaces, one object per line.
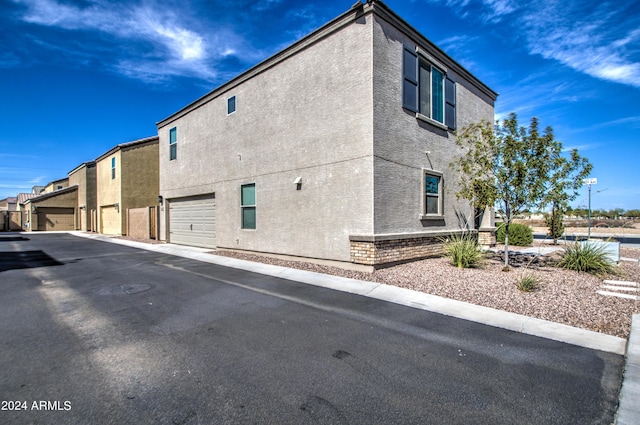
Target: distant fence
{"x":142,"y":223}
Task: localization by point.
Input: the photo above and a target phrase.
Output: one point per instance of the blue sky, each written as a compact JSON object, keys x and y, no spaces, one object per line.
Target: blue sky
{"x":78,"y":77}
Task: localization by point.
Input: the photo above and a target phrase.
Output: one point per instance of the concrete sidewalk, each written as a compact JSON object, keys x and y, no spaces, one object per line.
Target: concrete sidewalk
{"x":629,"y":408}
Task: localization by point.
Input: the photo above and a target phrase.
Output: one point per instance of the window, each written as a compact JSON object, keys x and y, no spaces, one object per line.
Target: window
{"x":173,"y":147}
{"x":113,"y":167}
{"x":432,"y":205}
{"x":427,"y":90}
{"x":231,"y":105}
{"x":248,"y":205}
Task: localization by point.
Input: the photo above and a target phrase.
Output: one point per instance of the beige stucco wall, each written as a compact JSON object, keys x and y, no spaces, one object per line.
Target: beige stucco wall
{"x":64,"y":200}
{"x":136,"y":181}
{"x":56,"y":185}
{"x":140,"y":176}
{"x":309,"y":117}
{"x":85,"y":177}
{"x":108,"y":190}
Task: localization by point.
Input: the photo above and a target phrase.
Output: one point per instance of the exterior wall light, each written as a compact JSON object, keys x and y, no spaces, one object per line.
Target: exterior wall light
{"x":160,"y":200}
{"x":298,"y":183}
{"x":117,"y":206}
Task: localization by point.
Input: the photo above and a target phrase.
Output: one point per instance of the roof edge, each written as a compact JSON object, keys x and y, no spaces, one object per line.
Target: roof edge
{"x":127,"y":145}
{"x":53,"y":194}
{"x":344,"y":19}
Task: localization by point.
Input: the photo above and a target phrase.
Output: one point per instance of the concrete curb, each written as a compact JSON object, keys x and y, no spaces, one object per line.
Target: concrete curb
{"x":459,"y":309}
{"x":629,"y":406}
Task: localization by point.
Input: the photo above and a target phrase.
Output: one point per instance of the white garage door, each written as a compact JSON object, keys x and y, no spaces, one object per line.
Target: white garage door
{"x":109,"y":220}
{"x":192,"y":221}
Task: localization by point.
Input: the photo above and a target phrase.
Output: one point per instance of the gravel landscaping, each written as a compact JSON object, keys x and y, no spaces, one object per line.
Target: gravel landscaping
{"x":563,"y":296}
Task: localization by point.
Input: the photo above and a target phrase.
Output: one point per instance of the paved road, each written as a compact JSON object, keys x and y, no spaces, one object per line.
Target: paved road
{"x":103,"y":333}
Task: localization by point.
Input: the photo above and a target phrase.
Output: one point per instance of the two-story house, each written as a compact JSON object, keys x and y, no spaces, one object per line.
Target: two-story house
{"x":337,"y":147}
{"x":126,"y":177}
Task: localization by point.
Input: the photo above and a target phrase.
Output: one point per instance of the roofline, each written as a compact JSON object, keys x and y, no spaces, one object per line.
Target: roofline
{"x":56,"y":181}
{"x":84,"y":164}
{"x":376,"y":7}
{"x":52,"y":194}
{"x":330,"y":27}
{"x":127,"y":145}
{"x":386,"y":13}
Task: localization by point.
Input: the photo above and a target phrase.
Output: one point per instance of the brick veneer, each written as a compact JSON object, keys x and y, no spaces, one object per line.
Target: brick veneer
{"x":375,"y":251}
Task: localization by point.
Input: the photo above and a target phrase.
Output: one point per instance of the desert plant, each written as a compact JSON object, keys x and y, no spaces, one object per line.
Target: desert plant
{"x":519,"y":234}
{"x":586,"y":257}
{"x":463,"y":250}
{"x":527,"y":283}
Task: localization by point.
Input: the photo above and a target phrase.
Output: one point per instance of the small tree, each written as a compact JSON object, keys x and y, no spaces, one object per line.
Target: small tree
{"x":554,"y":222}
{"x":564,"y":180}
{"x":505,"y":166}
{"x":514,"y":169}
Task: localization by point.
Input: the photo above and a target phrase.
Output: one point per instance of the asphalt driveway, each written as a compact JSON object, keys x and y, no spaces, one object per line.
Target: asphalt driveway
{"x":92,"y":332}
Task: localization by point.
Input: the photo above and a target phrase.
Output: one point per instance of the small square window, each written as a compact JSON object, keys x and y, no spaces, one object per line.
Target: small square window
{"x":231,"y":105}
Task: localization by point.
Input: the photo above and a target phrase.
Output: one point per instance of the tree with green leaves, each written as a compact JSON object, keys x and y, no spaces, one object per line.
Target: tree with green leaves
{"x":564,"y":179}
{"x":510,"y":167}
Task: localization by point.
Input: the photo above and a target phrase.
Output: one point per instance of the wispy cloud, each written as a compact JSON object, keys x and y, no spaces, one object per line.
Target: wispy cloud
{"x":176,"y":48}
{"x":602,"y":41}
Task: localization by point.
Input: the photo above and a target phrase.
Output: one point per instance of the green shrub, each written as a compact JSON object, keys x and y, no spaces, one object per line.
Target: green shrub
{"x":519,"y":234}
{"x":527,"y":283}
{"x":586,"y":257}
{"x":463,"y":250}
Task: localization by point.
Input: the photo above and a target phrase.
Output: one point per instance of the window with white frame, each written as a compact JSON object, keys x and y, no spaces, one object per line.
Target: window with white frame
{"x":113,"y":168}
{"x":173,"y":144}
{"x":432,"y":195}
{"x":427,"y":90}
{"x":248,"y":205}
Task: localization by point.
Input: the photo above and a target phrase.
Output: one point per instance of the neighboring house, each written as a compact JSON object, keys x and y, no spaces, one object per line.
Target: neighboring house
{"x":56,"y":210}
{"x":8,"y":212}
{"x":22,"y":221}
{"x":338,"y":147}
{"x":126,"y":177}
{"x":84,"y":176}
{"x":53,"y":186}
{"x":37,"y":189}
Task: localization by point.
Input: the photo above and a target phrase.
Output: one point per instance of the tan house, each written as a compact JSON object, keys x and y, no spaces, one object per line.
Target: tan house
{"x":127,"y":178}
{"x":54,"y":185}
{"x":55,"y":210}
{"x":8,"y":208}
{"x":84,"y":177}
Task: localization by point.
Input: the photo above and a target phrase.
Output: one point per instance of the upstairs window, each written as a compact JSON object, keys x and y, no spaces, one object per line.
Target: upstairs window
{"x":248,"y":205}
{"x":427,"y":90}
{"x":173,"y":147}
{"x":113,"y":168}
{"x":231,"y":105}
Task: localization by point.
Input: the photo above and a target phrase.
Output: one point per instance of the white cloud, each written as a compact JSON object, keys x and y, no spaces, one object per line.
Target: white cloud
{"x":178,"y":49}
{"x":601,"y":39}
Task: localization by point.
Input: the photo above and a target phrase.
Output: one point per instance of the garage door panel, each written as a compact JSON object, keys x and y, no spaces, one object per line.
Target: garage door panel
{"x":192,"y":221}
{"x":109,"y":220}
{"x":51,"y":218}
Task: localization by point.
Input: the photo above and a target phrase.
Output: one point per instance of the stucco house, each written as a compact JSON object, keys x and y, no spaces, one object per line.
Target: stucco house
{"x":53,"y":210}
{"x":53,"y":186}
{"x":336,"y":148}
{"x":84,"y":177}
{"x":126,"y":177}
